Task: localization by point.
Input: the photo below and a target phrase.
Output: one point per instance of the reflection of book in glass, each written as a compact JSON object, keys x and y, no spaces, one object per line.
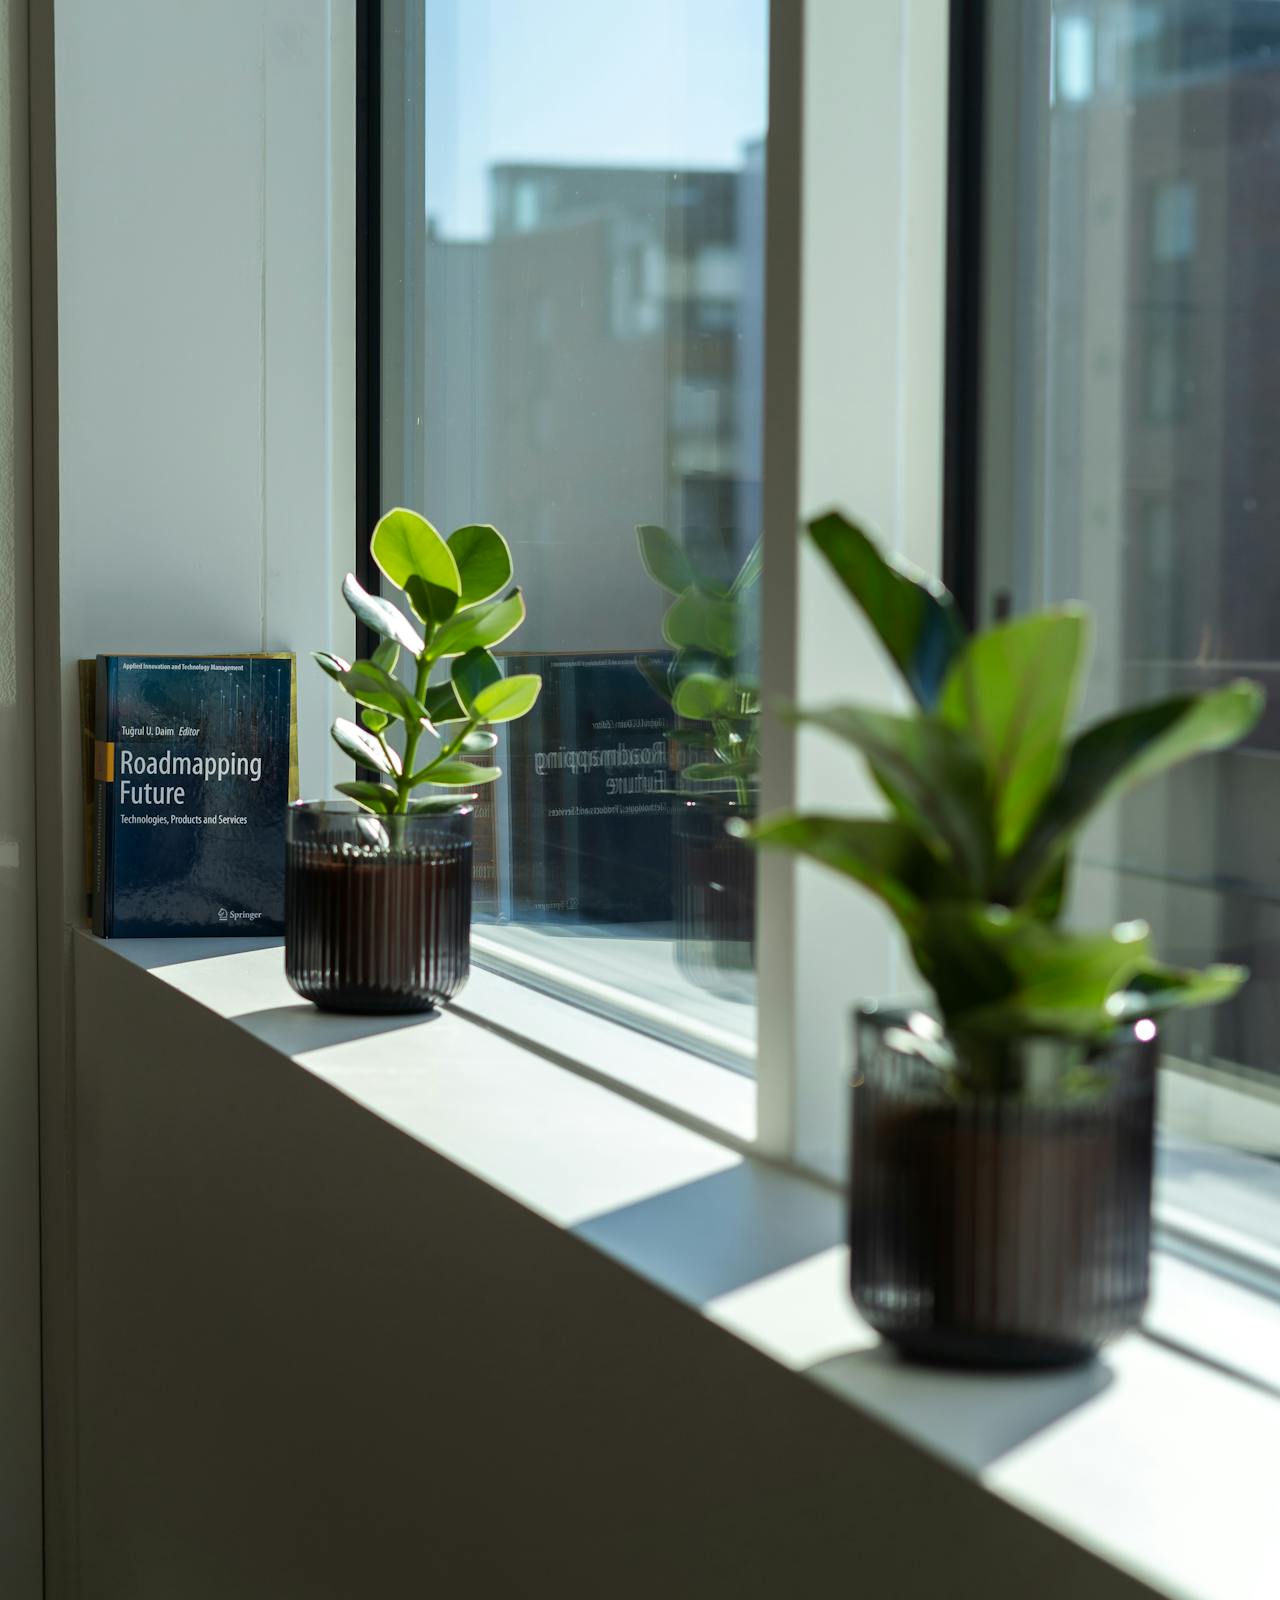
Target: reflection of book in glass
{"x":590,"y":808}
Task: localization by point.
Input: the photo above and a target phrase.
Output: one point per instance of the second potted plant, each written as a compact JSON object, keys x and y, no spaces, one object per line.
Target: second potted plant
{"x":378,"y":890}
{"x":1002,"y":1132}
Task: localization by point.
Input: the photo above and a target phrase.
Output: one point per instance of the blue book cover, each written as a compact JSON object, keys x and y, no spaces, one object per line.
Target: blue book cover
{"x":194,"y":766}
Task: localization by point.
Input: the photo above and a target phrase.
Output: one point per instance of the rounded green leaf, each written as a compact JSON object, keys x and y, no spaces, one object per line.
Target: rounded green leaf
{"x":333,"y":665}
{"x":702,"y":696}
{"x":478,"y":741}
{"x":664,"y":560}
{"x":699,"y":621}
{"x":508,"y":698}
{"x":479,"y":627}
{"x":472,"y":672}
{"x":430,"y":603}
{"x":452,"y":773}
{"x":484,"y":561}
{"x":442,"y":704}
{"x":405,"y":544}
{"x":375,"y":797}
{"x":380,"y":615}
{"x":364,"y":749}
{"x":375,"y":721}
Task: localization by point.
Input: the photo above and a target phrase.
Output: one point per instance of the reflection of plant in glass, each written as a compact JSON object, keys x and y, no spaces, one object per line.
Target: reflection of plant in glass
{"x":712,"y":626}
{"x":450,"y":586}
{"x":987,"y":795}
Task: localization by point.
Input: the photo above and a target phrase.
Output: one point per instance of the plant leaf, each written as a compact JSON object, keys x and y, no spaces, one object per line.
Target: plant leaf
{"x":333,"y":665}
{"x":915,"y":617}
{"x":654,"y":673}
{"x":479,"y":626}
{"x":442,"y":704}
{"x":1001,"y":972}
{"x":715,"y":771}
{"x":484,"y":561}
{"x":699,"y":621}
{"x":458,"y":772}
{"x":508,"y":698}
{"x":1155,"y":988}
{"x":375,"y":797}
{"x":749,"y":572}
{"x":380,"y":615}
{"x":431,"y":604}
{"x":435,"y":805}
{"x":1012,"y":688}
{"x":1122,"y":751}
{"x":478,"y":741}
{"x":472,"y":672}
{"x":702,"y":696}
{"x":364,"y":749}
{"x":405,"y":543}
{"x":386,"y":655}
{"x":932,"y":775}
{"x":375,"y":721}
{"x":371,"y":686}
{"x":881,"y":853}
{"x":664,"y":560}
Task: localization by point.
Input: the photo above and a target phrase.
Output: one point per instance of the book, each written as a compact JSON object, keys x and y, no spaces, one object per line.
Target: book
{"x":590,"y":803}
{"x":194,"y":764}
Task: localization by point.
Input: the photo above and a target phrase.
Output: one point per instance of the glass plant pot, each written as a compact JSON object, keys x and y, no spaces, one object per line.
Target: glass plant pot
{"x":377,"y":909}
{"x":999,"y":1215}
{"x":715,"y":897}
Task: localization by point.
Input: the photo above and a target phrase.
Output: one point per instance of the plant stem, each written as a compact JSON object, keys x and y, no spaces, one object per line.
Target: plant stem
{"x":404,"y":785}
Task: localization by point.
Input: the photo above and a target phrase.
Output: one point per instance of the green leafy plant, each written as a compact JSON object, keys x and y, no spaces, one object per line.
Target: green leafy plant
{"x":452,"y":587}
{"x":709,"y":681}
{"x":987,"y":792}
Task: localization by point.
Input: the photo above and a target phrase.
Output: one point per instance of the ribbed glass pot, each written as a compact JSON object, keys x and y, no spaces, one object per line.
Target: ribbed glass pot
{"x":715,"y":897}
{"x":377,"y":909}
{"x":1008,"y":1228}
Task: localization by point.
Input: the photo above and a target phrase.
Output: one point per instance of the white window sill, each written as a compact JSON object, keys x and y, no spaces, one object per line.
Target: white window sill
{"x":1155,"y":1462}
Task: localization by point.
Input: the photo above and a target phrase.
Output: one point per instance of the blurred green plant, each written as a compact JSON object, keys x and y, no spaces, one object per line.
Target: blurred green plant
{"x":987,"y":792}
{"x":710,"y":680}
{"x":451,"y":587}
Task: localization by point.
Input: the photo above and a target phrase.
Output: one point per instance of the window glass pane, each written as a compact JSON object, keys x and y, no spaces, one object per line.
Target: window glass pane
{"x":573,"y":201}
{"x":1140,"y":229}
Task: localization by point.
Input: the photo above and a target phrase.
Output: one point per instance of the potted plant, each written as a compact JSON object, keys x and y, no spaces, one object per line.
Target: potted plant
{"x":710,"y":684}
{"x":999,"y":1207}
{"x":378,"y":890}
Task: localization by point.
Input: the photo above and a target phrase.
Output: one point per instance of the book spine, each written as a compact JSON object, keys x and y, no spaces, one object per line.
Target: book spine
{"x":103,"y":727}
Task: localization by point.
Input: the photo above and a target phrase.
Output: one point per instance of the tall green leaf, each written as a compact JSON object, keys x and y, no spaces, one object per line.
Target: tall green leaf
{"x":882,"y":854}
{"x":484,"y":561}
{"x":1125,"y":750}
{"x":931,"y":772}
{"x":915,"y":617}
{"x":405,"y":544}
{"x":1012,"y":689}
{"x":664,"y":560}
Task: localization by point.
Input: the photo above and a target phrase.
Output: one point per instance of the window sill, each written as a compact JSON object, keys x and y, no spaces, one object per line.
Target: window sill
{"x":1154,"y":1462}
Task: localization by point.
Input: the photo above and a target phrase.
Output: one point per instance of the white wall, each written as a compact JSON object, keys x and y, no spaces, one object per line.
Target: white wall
{"x":194,"y":461}
{"x":20,"y":1577}
{"x":205,"y":158}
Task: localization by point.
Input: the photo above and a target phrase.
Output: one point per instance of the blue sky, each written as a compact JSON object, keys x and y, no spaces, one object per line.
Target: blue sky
{"x":679,"y":83}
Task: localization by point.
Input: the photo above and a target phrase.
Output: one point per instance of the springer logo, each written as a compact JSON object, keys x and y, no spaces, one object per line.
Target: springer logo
{"x":237,"y":916}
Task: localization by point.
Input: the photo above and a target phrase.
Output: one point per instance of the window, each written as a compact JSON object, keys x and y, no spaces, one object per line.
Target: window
{"x":571,"y":346}
{"x":1137,"y":238}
